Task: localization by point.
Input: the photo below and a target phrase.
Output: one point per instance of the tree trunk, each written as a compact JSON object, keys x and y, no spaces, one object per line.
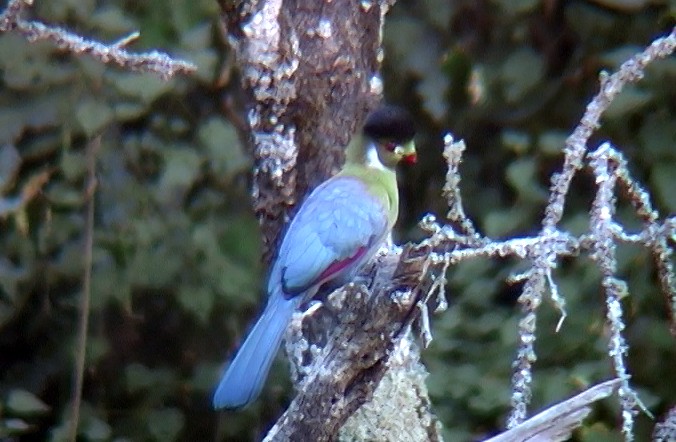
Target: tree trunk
{"x":310,"y":71}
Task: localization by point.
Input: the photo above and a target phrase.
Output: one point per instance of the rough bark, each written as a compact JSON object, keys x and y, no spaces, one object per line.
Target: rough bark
{"x":310,"y":70}
{"x":371,"y":337}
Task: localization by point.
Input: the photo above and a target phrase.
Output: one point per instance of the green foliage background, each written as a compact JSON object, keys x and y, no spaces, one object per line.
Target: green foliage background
{"x":176,"y":271}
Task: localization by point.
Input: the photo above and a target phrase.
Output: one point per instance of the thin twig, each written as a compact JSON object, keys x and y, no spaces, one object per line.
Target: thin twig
{"x":456,"y":213}
{"x":83,"y":325}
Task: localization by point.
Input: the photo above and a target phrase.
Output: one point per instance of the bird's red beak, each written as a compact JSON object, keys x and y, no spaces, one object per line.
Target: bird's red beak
{"x":410,"y":159}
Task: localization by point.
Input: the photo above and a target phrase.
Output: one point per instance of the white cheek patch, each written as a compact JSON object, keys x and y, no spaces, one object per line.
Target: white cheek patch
{"x":372,"y":159}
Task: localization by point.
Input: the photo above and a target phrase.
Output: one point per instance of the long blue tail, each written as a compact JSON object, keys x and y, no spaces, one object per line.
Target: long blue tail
{"x":242,"y":382}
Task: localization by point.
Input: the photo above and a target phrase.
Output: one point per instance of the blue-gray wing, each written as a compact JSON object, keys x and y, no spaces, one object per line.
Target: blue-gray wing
{"x":338,"y":227}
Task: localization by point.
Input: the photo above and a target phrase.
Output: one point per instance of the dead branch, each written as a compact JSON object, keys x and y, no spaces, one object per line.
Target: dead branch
{"x":154,"y":62}
{"x":557,"y":422}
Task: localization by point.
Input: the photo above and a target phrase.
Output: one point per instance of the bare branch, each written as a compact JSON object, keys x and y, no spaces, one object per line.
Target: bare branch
{"x":456,"y":213}
{"x":603,"y":210}
{"x":630,"y":71}
{"x":655,"y":236}
{"x":557,"y":423}
{"x":574,"y":151}
{"x":154,"y":62}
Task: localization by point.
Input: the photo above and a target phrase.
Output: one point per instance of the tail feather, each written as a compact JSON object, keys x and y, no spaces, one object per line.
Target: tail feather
{"x":244,"y":378}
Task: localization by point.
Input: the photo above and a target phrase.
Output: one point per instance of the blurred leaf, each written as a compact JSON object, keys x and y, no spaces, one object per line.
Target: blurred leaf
{"x":613,"y":59}
{"x":113,"y":20}
{"x":664,"y":182}
{"x":62,"y":9}
{"x":516,"y":141}
{"x":24,"y":403}
{"x":25,"y":66}
{"x":658,"y":136}
{"x":552,"y":142}
{"x":165,"y":424}
{"x":241,"y":239}
{"x":437,"y":12}
{"x":416,"y":50}
{"x":521,"y":72}
{"x":97,"y":348}
{"x":13,"y":427}
{"x":73,"y":165}
{"x":129,"y":111}
{"x":521,"y":174}
{"x":154,"y":267}
{"x":429,"y":89}
{"x":225,"y":151}
{"x":237,"y":282}
{"x":405,"y":40}
{"x":93,"y":115}
{"x":198,"y":37}
{"x":145,"y":87}
{"x":108,"y":283}
{"x":206,"y":62}
{"x":94,"y":428}
{"x":631,"y":100}
{"x":91,"y":427}
{"x":60,"y":433}
{"x":501,"y":222}
{"x":205,"y":376}
{"x":10,"y":161}
{"x":140,"y":378}
{"x":465,"y":81}
{"x":197,"y":300}
{"x":181,"y":168}
{"x":492,"y":395}
{"x":34,"y":113}
{"x":62,"y":195}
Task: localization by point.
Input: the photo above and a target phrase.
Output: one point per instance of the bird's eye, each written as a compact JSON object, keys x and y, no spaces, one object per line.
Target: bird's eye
{"x":390,"y":146}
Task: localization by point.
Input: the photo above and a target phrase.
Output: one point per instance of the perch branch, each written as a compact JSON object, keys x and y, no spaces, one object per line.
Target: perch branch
{"x":348,"y":369}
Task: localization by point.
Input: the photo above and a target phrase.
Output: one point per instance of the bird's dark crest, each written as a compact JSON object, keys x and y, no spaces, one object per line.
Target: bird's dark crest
{"x":390,"y":122}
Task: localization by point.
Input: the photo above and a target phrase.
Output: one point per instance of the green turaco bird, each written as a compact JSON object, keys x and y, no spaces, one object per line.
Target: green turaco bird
{"x":337,"y":229}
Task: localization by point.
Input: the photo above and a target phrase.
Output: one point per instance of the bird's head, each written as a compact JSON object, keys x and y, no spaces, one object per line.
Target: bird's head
{"x":391,"y":130}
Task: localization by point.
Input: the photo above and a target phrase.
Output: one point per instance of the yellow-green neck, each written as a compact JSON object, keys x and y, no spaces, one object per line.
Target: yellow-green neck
{"x":362,"y":162}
